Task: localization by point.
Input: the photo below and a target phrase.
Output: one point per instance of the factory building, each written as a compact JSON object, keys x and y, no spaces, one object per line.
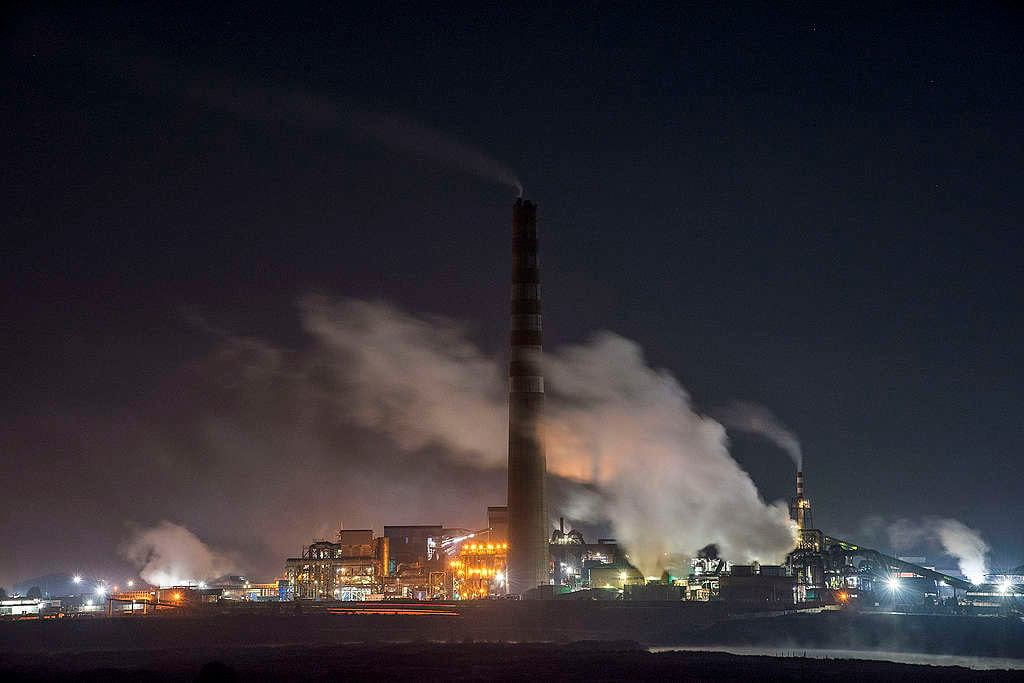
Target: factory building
{"x":613,"y":575}
{"x":352,"y":568}
{"x":573,"y":560}
{"x":479,"y":571}
{"x":749,"y":587}
{"x":412,"y":544}
{"x":497,"y":522}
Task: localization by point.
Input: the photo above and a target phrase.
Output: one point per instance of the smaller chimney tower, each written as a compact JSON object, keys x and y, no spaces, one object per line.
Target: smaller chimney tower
{"x":800,"y":507}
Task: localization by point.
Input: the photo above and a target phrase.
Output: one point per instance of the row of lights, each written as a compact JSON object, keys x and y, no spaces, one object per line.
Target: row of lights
{"x":101,"y":588}
{"x":481,"y":547}
{"x":486,"y":572}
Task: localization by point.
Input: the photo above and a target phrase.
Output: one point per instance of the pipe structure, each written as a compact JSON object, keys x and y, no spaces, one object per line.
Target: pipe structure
{"x":528,"y":555}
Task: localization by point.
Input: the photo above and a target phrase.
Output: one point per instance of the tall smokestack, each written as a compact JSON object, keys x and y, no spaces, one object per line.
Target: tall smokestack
{"x":527,"y":508}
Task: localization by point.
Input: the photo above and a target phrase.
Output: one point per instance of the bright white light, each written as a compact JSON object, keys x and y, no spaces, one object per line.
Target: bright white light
{"x":893,"y":582}
{"x":131,"y":583}
{"x":77,"y":579}
{"x":101,"y":590}
{"x":202,"y":584}
{"x":1005,"y":586}
{"x":499,"y":577}
{"x":88,"y":603}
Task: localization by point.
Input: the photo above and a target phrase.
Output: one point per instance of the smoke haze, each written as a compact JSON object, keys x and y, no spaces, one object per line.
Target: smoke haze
{"x":745,"y":416}
{"x":384,"y":417}
{"x":170,"y":555}
{"x":667,"y":483}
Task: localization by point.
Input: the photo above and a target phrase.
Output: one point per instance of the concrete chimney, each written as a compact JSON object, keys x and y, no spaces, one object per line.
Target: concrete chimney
{"x":527,"y":507}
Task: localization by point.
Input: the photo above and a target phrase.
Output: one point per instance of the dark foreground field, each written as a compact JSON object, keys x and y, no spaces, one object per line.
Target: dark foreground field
{"x":517,"y":640}
{"x":598,"y":661}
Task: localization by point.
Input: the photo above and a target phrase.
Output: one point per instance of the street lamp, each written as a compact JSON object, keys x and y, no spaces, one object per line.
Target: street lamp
{"x":894,"y":587}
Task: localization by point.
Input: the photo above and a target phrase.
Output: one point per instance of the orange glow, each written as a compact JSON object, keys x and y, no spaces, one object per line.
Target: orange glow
{"x":391,"y":610}
{"x":843,"y":597}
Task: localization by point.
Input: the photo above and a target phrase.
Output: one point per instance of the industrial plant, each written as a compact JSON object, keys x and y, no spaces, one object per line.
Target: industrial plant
{"x":519,"y":554}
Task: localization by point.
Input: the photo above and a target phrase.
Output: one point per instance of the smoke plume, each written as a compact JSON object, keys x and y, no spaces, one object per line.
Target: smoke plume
{"x":966,"y":545}
{"x":745,"y":416}
{"x":956,"y":539}
{"x":408,"y":135}
{"x":666,"y":480}
{"x":670,"y":483}
{"x":170,"y":555}
{"x":264,"y":103}
{"x":418,"y":380}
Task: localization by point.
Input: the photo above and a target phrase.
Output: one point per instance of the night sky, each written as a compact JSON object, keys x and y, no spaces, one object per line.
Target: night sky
{"x":815,"y":209}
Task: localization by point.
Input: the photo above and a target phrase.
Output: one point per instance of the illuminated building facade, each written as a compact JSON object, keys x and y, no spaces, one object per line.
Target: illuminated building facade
{"x":412,"y":544}
{"x":353,"y":568}
{"x":479,"y":571}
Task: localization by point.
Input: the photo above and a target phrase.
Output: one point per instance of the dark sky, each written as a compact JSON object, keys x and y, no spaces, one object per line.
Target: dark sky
{"x":815,"y":209}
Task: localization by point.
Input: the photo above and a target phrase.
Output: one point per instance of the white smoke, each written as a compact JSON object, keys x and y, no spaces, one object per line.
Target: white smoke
{"x":170,"y":555}
{"x":966,"y":545}
{"x":957,"y":539}
{"x":746,"y":416}
{"x":668,"y":483}
{"x":418,"y":380}
{"x":671,"y":486}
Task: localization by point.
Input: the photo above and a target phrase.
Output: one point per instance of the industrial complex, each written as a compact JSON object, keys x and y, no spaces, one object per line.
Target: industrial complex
{"x":518,"y":553}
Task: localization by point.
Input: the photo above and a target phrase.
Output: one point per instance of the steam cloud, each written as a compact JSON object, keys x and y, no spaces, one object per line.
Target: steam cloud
{"x":957,"y":539}
{"x":671,"y":486}
{"x":966,"y":545}
{"x":663,"y":475}
{"x":170,"y":555}
{"x":750,"y":417}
